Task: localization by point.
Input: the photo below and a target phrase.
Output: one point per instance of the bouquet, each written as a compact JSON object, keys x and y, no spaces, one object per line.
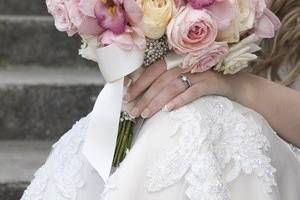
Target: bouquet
{"x":196,"y":35}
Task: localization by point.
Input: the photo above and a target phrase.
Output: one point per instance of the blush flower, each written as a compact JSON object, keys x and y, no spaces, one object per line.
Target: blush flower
{"x":266,"y":21}
{"x":59,"y":10}
{"x":133,"y":36}
{"x":199,"y":4}
{"x":191,"y":30}
{"x":111,"y":16}
{"x":203,"y":60}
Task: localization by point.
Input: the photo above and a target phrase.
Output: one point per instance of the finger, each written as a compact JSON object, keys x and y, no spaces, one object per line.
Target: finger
{"x":196,"y":91}
{"x":145,"y":80}
{"x":127,"y":81}
{"x":168,"y":93}
{"x":157,"y":86}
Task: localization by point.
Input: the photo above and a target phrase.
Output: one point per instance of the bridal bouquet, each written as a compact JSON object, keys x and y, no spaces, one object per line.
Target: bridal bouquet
{"x":196,"y":35}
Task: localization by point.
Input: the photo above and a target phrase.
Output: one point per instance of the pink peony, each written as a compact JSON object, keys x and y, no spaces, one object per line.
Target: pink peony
{"x":90,"y":27}
{"x":133,"y":36}
{"x":191,"y":30}
{"x":111,"y":16}
{"x":203,"y":60}
{"x":87,"y":7}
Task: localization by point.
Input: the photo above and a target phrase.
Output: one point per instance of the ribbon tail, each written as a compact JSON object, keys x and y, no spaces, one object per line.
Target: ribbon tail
{"x":102,"y":131}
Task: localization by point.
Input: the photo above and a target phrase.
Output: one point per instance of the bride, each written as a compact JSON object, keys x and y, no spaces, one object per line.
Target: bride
{"x":208,"y":148}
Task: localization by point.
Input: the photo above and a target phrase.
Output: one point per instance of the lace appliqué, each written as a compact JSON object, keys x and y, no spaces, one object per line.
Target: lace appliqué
{"x":64,"y":164}
{"x":216,"y":143}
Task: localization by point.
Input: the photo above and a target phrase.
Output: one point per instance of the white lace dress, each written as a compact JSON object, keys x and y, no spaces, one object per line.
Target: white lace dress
{"x":212,"y":149}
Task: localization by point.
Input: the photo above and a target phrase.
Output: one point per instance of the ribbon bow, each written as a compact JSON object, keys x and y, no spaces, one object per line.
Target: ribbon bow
{"x":102,"y":131}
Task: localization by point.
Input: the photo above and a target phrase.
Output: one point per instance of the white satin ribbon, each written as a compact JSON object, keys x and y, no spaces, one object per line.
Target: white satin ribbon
{"x":173,"y":60}
{"x":102,"y":131}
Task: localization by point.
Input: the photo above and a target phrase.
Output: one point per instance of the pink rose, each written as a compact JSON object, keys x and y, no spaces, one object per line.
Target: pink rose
{"x":191,"y":30}
{"x":199,"y":4}
{"x":222,"y":10}
{"x":72,"y":16}
{"x":75,"y":15}
{"x":203,"y":60}
{"x":60,"y":12}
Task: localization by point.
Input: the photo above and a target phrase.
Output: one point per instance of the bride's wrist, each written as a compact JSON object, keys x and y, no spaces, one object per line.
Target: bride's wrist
{"x":239,"y":87}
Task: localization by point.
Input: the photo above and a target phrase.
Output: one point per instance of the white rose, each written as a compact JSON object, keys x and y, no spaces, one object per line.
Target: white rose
{"x":239,"y":56}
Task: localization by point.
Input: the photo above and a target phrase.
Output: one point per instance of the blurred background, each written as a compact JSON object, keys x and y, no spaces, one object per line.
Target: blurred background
{"x":45,"y":87}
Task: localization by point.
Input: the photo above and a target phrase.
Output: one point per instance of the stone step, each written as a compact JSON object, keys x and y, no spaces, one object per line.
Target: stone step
{"x":28,"y":7}
{"x":43,"y":103}
{"x":34,"y":40}
{"x":18,"y":162}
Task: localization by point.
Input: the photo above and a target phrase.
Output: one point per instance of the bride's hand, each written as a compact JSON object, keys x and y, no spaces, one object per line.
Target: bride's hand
{"x":162,"y":89}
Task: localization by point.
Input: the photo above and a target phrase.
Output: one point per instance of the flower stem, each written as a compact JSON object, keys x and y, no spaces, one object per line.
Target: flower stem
{"x":124,"y":139}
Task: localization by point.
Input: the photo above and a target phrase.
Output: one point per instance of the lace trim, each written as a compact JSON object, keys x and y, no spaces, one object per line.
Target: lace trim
{"x":216,"y":143}
{"x":66,"y":162}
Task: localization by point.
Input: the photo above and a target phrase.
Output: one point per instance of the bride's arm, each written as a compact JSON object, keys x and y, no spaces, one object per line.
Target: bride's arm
{"x":163,"y":89}
{"x":278,"y":104}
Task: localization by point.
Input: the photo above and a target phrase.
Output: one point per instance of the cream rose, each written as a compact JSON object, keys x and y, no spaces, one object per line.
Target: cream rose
{"x":191,"y":30}
{"x":245,"y":14}
{"x":239,"y":56}
{"x":157,"y":14}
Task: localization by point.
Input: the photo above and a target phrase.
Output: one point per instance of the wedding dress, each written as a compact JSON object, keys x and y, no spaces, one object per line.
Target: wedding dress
{"x":211,"y":149}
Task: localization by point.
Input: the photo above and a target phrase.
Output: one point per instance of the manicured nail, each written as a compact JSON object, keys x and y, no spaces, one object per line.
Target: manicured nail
{"x":168,"y":108}
{"x":165,"y":108}
{"x":126,"y":98}
{"x":145,"y":113}
{"x":134,"y":112}
{"x":128,"y":83}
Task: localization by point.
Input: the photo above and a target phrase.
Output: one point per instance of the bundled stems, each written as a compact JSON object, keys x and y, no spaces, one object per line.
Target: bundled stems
{"x":124,"y":139}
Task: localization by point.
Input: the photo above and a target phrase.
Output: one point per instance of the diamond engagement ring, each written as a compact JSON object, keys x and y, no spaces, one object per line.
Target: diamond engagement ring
{"x":186,"y":81}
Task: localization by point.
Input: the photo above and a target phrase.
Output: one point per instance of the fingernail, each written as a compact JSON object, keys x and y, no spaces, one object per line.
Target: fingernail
{"x":134,"y":112}
{"x":126,"y":98}
{"x":165,"y":108}
{"x":145,"y":113}
{"x":128,"y":83}
{"x":168,"y":108}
